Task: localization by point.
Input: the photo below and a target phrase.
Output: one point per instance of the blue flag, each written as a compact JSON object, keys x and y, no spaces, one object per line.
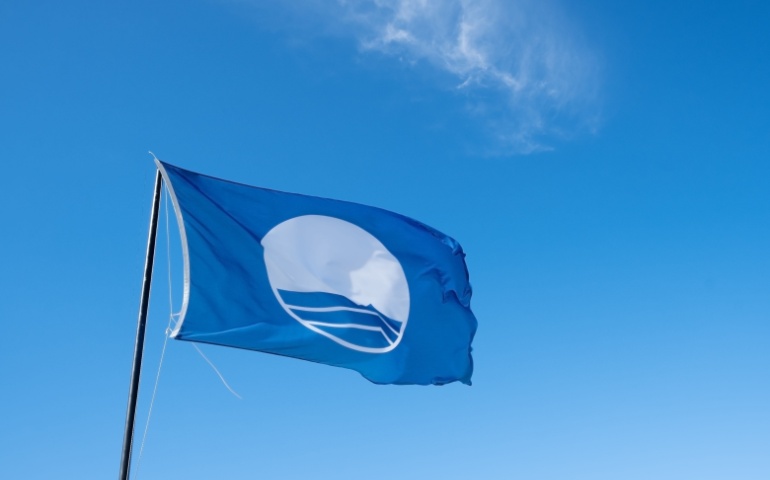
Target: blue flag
{"x":322,"y":280}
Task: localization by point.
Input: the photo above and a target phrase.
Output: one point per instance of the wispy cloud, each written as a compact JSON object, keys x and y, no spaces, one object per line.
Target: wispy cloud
{"x":527,"y":77}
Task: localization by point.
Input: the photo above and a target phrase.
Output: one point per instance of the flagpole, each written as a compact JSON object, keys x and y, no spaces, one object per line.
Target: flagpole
{"x":133,"y":390}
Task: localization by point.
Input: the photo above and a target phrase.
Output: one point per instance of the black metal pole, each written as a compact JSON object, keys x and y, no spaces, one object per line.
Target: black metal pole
{"x":133,"y":391}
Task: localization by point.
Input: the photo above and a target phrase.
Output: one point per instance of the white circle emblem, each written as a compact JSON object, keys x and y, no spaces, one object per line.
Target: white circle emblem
{"x":339,"y":281}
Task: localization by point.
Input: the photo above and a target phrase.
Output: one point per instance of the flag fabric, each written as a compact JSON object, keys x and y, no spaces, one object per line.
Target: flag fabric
{"x":322,"y":280}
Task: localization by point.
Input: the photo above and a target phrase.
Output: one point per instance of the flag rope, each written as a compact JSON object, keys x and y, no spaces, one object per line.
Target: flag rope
{"x":171,"y":320}
{"x":165,"y":340}
{"x":217,"y":371}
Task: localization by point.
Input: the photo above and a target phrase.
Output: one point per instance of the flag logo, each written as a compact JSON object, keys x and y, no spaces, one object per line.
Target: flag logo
{"x":339,"y":281}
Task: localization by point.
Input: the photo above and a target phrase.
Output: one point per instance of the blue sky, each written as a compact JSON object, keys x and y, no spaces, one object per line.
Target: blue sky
{"x":604,"y":166}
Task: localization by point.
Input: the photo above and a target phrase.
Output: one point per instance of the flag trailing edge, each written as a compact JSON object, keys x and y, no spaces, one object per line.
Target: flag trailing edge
{"x":323,"y":280}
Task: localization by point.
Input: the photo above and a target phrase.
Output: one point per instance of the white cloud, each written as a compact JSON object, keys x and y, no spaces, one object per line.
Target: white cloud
{"x":527,"y":76}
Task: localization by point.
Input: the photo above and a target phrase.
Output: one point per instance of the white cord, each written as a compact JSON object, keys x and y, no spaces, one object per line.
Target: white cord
{"x":172,"y":319}
{"x":165,"y":342}
{"x":217,"y":371}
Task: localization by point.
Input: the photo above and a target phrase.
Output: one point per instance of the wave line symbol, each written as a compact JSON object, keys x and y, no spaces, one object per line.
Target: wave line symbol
{"x":352,"y":325}
{"x":336,"y":316}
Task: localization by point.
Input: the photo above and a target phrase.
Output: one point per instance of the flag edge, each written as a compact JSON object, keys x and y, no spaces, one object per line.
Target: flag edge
{"x":185,"y":251}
